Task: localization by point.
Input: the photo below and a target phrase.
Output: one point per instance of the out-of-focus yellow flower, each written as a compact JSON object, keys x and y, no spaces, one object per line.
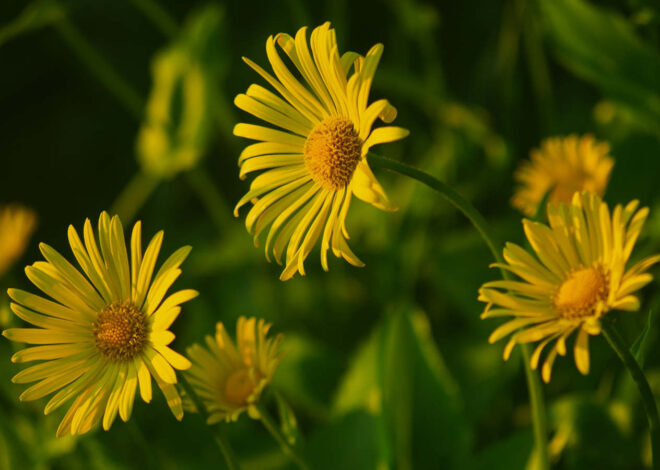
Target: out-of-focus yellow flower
{"x":578,"y":275}
{"x":176,"y":129}
{"x":169,"y":142}
{"x":104,"y":332}
{"x":229,"y":379}
{"x":16,"y":226}
{"x":563,"y":165}
{"x":317,"y":160}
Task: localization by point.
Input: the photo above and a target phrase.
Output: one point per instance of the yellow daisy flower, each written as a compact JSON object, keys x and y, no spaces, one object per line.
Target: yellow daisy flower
{"x":578,"y":275}
{"x":563,"y":165}
{"x":104,"y":332}
{"x":16,"y":226}
{"x":230,"y":379}
{"x":316,"y":161}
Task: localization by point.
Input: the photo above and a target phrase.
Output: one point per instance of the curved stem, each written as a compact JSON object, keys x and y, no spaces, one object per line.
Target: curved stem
{"x":273,"y":429}
{"x":133,"y":196}
{"x":648,"y":400}
{"x":533,"y":383}
{"x":219,"y":438}
{"x":445,"y":191}
{"x":537,"y":404}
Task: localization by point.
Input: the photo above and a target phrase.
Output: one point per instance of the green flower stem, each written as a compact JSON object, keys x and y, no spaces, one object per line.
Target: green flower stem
{"x":445,"y":191}
{"x":537,"y":404}
{"x":533,"y":382}
{"x":216,"y":206}
{"x":219,"y":438}
{"x":133,"y":196}
{"x":273,"y":429}
{"x":103,"y":71}
{"x":158,"y":16}
{"x":648,"y":400}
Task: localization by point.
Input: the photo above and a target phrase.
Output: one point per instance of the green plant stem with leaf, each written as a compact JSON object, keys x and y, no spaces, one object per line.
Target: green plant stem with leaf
{"x":218,"y":436}
{"x":286,"y":446}
{"x":537,"y":403}
{"x":619,"y":346}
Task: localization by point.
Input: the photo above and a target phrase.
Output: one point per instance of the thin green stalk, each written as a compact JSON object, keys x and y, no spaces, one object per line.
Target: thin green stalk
{"x":648,"y":400}
{"x":273,"y":429}
{"x":219,"y":438}
{"x":533,"y":382}
{"x":445,"y":191}
{"x":122,"y":90}
{"x":158,"y":16}
{"x":133,"y":196}
{"x":208,"y":193}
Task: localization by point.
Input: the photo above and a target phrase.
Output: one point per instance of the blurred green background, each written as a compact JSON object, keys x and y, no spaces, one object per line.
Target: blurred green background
{"x":388,"y":366}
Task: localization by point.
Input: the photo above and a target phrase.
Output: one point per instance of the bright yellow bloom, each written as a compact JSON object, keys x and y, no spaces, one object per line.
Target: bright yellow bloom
{"x":316,"y":161}
{"x":105,"y":332}
{"x":578,"y":275}
{"x":563,"y":166}
{"x":230,"y":379}
{"x":16,"y":226}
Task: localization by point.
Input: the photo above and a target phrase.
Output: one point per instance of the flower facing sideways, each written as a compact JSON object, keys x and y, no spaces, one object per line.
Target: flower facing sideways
{"x":105,"y":332}
{"x":315,"y":160}
{"x":563,"y":165}
{"x":229,"y":378}
{"x":578,"y":275}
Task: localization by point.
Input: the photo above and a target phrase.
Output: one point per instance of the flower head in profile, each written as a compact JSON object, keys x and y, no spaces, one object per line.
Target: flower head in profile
{"x":101,"y":332}
{"x":314,"y":160}
{"x":577,"y":276}
{"x":230,"y":378}
{"x":563,"y":166}
{"x":16,"y":226}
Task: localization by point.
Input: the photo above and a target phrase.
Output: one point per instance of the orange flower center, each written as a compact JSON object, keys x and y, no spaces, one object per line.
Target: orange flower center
{"x":120,"y":331}
{"x":239,"y":386}
{"x":332,"y":152}
{"x":580,"y":293}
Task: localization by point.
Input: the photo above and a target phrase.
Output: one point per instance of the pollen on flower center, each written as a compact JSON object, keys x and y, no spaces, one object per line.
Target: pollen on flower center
{"x":332,"y":152}
{"x":120,"y":331}
{"x":579,"y":294}
{"x":239,"y":386}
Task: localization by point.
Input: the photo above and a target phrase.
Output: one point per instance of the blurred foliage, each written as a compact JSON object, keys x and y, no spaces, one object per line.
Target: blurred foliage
{"x":127,"y":105}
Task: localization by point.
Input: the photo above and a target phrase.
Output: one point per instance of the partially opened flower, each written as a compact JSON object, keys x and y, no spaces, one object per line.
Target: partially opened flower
{"x":106,"y":329}
{"x":16,"y":226}
{"x":578,"y":275}
{"x":229,"y":379}
{"x":563,"y":166}
{"x":315,"y":161}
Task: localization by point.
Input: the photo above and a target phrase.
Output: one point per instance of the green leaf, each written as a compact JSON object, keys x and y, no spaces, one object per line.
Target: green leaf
{"x":640,"y":347}
{"x":288,"y":421}
{"x":601,"y":47}
{"x":399,"y":376}
{"x":349,"y":443}
{"x":360,"y":388}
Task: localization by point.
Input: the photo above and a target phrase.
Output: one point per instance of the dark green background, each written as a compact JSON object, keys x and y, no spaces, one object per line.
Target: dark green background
{"x":478,"y":83}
